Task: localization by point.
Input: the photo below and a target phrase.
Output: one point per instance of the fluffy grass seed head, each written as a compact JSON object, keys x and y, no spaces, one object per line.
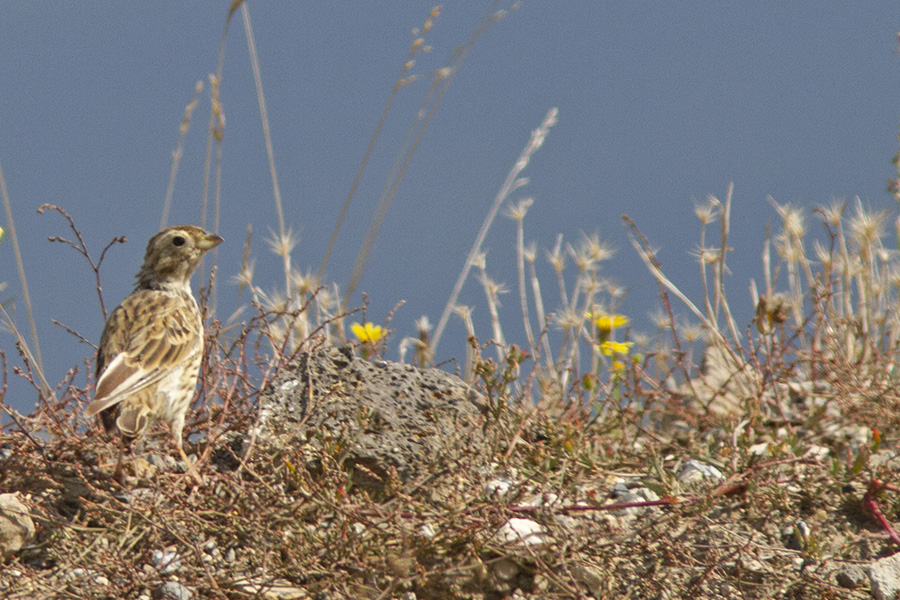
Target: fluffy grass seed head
{"x":590,"y":252}
{"x":556,"y":257}
{"x":659,"y":318}
{"x":709,"y":212}
{"x":792,"y":218}
{"x":833,"y":213}
{"x":245,"y":277}
{"x":867,"y":227}
{"x":823,"y":255}
{"x":517,"y":211}
{"x":423,"y":325}
{"x":282,"y":245}
{"x":494,"y":288}
{"x":568,"y":320}
{"x":327,"y":299}
{"x":691,"y":332}
{"x":479,"y":261}
{"x":530,"y":252}
{"x":706,"y":256}
{"x":305,"y":283}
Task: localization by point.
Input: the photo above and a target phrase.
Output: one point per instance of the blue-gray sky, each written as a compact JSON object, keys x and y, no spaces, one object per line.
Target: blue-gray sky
{"x":660,"y":104}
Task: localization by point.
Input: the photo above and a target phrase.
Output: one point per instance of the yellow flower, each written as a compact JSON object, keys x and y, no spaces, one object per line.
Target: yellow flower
{"x":610,"y":347}
{"x":606,"y":323}
{"x":369,"y":332}
{"x":618,"y":366}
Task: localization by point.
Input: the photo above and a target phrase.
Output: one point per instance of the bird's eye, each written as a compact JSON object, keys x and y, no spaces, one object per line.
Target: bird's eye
{"x":178,"y":241}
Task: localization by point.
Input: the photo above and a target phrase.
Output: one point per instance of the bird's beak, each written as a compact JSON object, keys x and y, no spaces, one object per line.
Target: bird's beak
{"x":209,"y":241}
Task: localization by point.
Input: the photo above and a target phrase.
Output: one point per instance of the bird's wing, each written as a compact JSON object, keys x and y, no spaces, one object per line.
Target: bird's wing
{"x":147,"y":336}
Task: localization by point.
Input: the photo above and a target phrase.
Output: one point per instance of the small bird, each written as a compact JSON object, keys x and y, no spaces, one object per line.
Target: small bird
{"x":149,"y":356}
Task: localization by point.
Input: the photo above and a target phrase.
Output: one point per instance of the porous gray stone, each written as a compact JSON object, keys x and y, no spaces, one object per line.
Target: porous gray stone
{"x":391,"y":417}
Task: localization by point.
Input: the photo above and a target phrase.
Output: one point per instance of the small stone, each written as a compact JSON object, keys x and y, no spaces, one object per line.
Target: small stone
{"x":623,"y":494}
{"x":816,"y":451}
{"x":694,"y":471}
{"x":505,"y":569}
{"x":86,"y":576}
{"x":497,"y":487}
{"x":566,"y":522}
{"x":760,"y":449}
{"x":173,"y":590}
{"x":524,"y":531}
{"x":161,"y":462}
{"x":592,"y":577}
{"x":16,"y":526}
{"x":851,"y":577}
{"x":427,"y":531}
{"x":166,"y":562}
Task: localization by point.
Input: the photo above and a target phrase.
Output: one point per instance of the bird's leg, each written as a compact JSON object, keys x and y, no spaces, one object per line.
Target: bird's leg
{"x":191,"y":467}
{"x":119,"y":472}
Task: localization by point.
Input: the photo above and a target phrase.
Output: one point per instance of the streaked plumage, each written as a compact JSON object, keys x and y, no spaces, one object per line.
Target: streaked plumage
{"x":152,"y":344}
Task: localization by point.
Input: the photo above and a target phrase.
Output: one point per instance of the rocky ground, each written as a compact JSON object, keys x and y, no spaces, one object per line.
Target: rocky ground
{"x":348,"y":478}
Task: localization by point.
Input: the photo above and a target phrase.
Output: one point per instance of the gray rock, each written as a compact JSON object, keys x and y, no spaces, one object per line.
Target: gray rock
{"x":392,"y":417}
{"x":694,"y":471}
{"x":850,"y":577}
{"x":591,"y":576}
{"x":166,"y":562}
{"x":884,"y":578}
{"x":16,"y":526}
{"x":505,"y":571}
{"x":635,"y":493}
{"x":80,"y":575}
{"x":522,"y":531}
{"x":173,"y":590}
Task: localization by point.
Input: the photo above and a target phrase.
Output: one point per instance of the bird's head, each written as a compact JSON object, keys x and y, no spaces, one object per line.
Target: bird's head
{"x":173,"y":254}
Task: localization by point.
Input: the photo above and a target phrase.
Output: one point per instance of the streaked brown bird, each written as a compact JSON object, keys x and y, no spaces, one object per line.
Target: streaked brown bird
{"x":149,"y":356}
